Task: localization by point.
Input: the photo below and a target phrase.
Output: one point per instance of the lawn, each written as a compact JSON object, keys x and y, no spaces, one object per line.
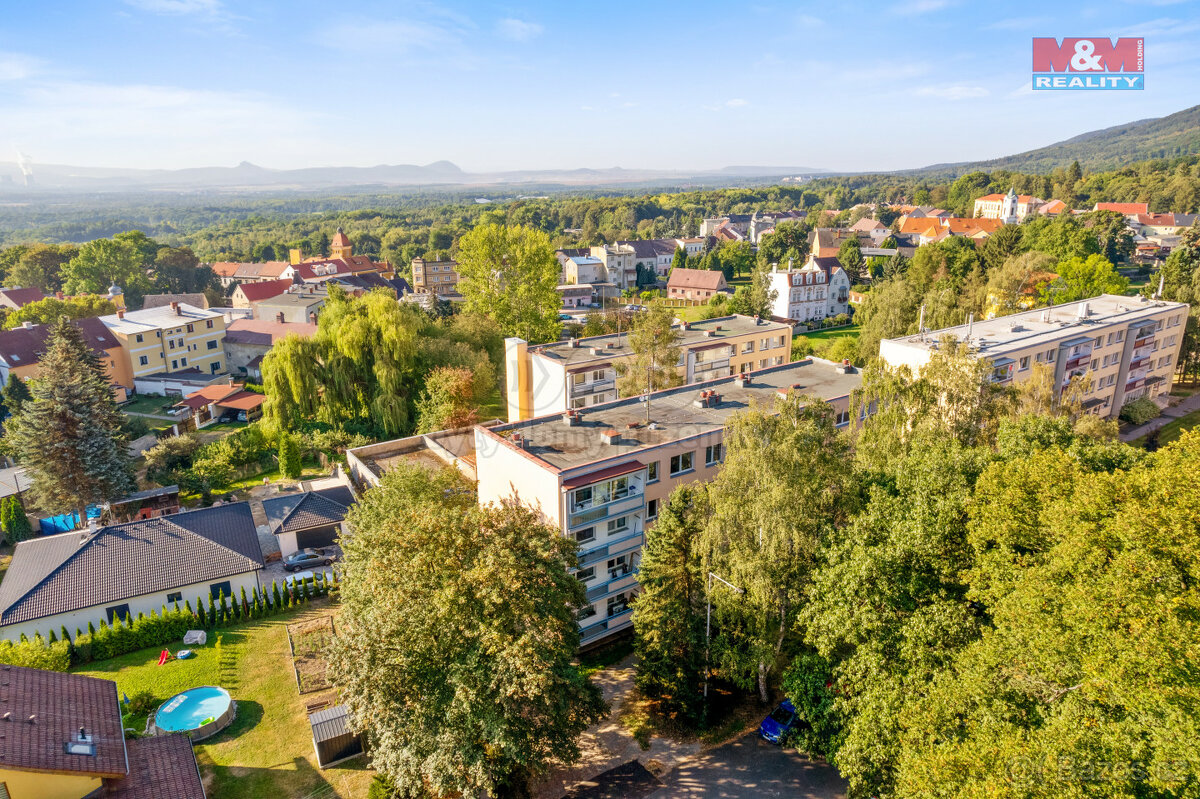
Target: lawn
{"x":830,"y":333}
{"x":1173,"y":430}
{"x":148,"y":404}
{"x":268,"y":750}
{"x":224,"y":427}
{"x":496,"y":407}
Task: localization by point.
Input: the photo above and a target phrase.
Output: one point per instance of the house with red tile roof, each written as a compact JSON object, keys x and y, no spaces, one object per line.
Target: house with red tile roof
{"x":18,"y":297}
{"x":64,"y":738}
{"x":1129,"y":209}
{"x":991,"y":206}
{"x":210,"y":403}
{"x":246,"y":294}
{"x":699,"y":285}
{"x":247,"y":342}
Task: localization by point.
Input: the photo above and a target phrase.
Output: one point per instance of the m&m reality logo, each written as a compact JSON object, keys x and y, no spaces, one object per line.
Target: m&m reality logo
{"x":1093,"y":63}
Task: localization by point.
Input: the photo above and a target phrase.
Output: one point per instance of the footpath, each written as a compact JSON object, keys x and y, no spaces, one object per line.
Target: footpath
{"x":1169,"y":415}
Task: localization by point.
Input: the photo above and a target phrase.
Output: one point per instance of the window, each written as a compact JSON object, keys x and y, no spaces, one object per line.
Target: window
{"x":1120,"y":335}
{"x":143,"y":361}
{"x":1110,"y":339}
{"x":221,"y":589}
{"x":1024,"y":362}
{"x":764,"y":363}
{"x":171,"y":344}
{"x":117,"y":613}
{"x":584,"y":535}
{"x":1099,"y":341}
{"x":618,"y":567}
{"x":748,"y":347}
{"x":175,"y":596}
{"x":214,"y":367}
{"x":1095,"y":364}
{"x":139,"y":338}
{"x":597,"y":375}
{"x":618,"y":604}
{"x":583,"y":575}
{"x":681,"y":463}
{"x":618,"y":525}
{"x":713,"y":454}
{"x":183,"y":361}
{"x":1050,"y":355}
{"x":212,"y":345}
{"x":764,"y":344}
{"x":191,"y":329}
{"x":209,"y":324}
{"x":652,"y":510}
{"x":843,"y":418}
{"x":174,"y":364}
{"x":587,"y":612}
{"x":652,"y":472}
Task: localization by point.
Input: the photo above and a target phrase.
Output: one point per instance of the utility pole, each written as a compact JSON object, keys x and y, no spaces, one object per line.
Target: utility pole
{"x":708,"y":629}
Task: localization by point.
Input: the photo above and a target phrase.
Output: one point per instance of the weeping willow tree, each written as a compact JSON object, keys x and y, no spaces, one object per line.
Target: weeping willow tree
{"x":366,"y":365}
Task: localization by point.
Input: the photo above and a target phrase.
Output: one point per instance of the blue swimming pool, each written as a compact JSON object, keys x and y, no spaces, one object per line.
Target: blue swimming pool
{"x":206,"y":709}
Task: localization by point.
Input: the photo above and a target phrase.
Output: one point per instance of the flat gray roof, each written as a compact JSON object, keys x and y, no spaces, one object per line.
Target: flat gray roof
{"x":673,"y":412}
{"x":1045,"y":325}
{"x":617,"y":346}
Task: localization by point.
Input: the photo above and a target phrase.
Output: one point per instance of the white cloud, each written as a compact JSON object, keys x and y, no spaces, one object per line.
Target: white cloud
{"x":15,"y":66}
{"x":809,"y":21}
{"x":953,"y":92}
{"x":736,"y":102}
{"x":206,"y":8}
{"x":517,"y":30}
{"x":920,"y":7}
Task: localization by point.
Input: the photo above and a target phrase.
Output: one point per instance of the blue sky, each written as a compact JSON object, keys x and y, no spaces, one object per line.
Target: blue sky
{"x":518,"y":85}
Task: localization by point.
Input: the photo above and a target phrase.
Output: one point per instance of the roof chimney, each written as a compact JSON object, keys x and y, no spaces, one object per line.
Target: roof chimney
{"x":609,"y":436}
{"x":279,"y":317}
{"x":120,"y":313}
{"x":742,"y":379}
{"x":27,"y":325}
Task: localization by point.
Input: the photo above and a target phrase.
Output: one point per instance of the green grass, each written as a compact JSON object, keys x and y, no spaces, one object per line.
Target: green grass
{"x":223,"y":427}
{"x":608,"y":655}
{"x":267,"y":751}
{"x":831,"y":333}
{"x":496,"y":407}
{"x":1173,"y":430}
{"x":149,"y":404}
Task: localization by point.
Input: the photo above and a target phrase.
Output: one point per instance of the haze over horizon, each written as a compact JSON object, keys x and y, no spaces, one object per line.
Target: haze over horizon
{"x":195,"y":83}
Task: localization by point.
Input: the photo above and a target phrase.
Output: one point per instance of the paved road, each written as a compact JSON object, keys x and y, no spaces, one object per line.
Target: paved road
{"x":751,"y":767}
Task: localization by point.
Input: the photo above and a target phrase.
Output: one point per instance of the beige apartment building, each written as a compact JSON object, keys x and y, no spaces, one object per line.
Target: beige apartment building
{"x":1128,"y":345}
{"x":579,"y":373}
{"x":434,"y":277}
{"x":171,"y":338}
{"x":601,"y":474}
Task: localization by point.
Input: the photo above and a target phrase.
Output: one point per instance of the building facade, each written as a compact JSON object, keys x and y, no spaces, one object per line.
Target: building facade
{"x":434,"y":277}
{"x":695,"y":285}
{"x":582,"y":372}
{"x":1010,"y":208}
{"x":815,"y":291}
{"x":173,"y":338}
{"x":602,"y":474}
{"x":1128,"y":346}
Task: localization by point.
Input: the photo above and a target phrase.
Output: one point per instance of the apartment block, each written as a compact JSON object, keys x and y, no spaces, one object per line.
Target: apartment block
{"x":601,"y":474}
{"x":172,"y":338}
{"x":1128,"y":345}
{"x":579,"y":373}
{"x":434,"y":277}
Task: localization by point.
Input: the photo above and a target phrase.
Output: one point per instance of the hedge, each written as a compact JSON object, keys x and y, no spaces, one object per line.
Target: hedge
{"x":158,"y":629}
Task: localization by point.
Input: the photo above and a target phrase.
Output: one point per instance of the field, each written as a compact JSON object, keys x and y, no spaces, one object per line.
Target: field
{"x":268,"y":749}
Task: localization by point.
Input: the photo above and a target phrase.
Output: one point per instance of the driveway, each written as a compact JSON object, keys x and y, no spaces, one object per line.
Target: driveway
{"x":749,"y":766}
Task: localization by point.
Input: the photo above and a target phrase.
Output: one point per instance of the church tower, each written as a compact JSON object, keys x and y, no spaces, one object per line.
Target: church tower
{"x":340,"y":247}
{"x":1008,"y":208}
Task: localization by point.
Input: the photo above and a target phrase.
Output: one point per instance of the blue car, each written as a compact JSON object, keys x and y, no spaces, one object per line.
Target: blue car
{"x":781,"y":721}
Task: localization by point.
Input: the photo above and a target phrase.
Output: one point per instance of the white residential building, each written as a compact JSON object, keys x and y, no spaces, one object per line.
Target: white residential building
{"x":815,"y":291}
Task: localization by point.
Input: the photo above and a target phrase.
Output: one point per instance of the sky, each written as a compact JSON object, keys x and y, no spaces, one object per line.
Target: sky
{"x":555,"y":85}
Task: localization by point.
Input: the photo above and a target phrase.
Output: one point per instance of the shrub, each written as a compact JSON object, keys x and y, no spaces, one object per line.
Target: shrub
{"x":1139,"y":411}
{"x":141,"y":702}
{"x":36,"y":654}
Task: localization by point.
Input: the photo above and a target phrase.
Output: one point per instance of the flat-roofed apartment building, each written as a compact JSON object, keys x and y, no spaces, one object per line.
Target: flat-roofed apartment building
{"x":1129,"y":346}
{"x":434,"y":277}
{"x":602,"y":474}
{"x":171,"y":338}
{"x":582,"y":372}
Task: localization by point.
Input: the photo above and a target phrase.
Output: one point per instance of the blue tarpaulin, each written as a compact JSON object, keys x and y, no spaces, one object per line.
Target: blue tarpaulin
{"x":66,"y":522}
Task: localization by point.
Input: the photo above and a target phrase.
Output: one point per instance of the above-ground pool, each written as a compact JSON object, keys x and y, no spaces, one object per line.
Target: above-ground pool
{"x":200,"y":712}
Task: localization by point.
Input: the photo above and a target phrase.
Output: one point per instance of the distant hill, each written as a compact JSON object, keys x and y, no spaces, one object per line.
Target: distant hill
{"x":1110,"y":148}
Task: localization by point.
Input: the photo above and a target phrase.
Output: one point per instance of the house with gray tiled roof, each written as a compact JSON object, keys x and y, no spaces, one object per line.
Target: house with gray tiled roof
{"x":73,"y":579}
{"x":311,"y":519}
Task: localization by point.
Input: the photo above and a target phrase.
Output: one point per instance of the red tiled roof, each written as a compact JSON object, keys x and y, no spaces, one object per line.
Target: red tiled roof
{"x":47,"y":709}
{"x":208,"y":395}
{"x":340,"y":239}
{"x":265,"y":332}
{"x":1157,"y":220}
{"x":242,"y":401}
{"x":19,"y":298}
{"x":682,"y":278}
{"x":162,"y":766}
{"x":1123,"y":208}
{"x":254,"y":292}
{"x":23,"y":346}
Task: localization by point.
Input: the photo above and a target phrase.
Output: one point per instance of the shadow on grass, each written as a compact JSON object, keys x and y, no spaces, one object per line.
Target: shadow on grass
{"x":295,"y":777}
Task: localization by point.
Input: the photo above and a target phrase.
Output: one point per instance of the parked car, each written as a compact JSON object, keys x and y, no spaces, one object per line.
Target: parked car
{"x":635,"y":308}
{"x":307,"y":558}
{"x":564,"y":317}
{"x":305,"y":576}
{"x":777,"y":725}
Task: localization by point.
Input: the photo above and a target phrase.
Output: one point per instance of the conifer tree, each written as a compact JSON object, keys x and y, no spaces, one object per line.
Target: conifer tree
{"x":68,"y":436}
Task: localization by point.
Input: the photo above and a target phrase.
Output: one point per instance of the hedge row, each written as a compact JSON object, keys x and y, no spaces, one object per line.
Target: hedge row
{"x":62,"y":650}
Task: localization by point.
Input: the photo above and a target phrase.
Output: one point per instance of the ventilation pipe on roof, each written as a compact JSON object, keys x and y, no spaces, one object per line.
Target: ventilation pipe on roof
{"x":609,"y":436}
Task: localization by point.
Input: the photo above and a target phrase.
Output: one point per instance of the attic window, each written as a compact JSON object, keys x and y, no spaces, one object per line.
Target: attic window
{"x":82,"y":744}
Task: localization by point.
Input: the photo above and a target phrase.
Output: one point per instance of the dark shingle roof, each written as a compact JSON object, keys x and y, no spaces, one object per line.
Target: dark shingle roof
{"x":163,"y":766}
{"x":307,"y":510}
{"x":329,"y":724}
{"x":69,"y":571}
{"x":197,"y":299}
{"x":61,"y":704}
{"x":19,"y":298}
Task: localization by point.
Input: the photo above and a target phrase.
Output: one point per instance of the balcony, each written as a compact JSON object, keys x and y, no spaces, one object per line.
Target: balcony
{"x":611,"y":587}
{"x":708,"y":366}
{"x":589,"y":513}
{"x":613,"y":547}
{"x":583,"y":389}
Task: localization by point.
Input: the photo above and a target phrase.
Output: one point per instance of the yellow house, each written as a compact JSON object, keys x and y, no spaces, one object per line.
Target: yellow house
{"x":172,"y":338}
{"x":21,"y":350}
{"x":63,"y":739}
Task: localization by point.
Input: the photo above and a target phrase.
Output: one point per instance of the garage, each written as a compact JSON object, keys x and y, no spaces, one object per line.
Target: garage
{"x":318,"y":537}
{"x":308,"y":519}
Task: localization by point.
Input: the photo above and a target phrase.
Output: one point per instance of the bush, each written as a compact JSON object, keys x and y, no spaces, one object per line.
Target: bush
{"x":1139,"y":411}
{"x":381,"y":788}
{"x":141,"y":702}
{"x":13,"y":520}
{"x":36,"y":654}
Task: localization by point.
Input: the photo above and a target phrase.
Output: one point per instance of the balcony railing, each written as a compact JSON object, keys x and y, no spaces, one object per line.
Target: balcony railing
{"x":588,"y":512}
{"x":583,"y":389}
{"x":705,"y":366}
{"x":615,"y":622}
{"x":613,"y":547}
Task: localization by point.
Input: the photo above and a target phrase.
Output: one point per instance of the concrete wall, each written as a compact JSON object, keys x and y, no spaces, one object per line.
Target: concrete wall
{"x":505,"y":472}
{"x":78,"y":619}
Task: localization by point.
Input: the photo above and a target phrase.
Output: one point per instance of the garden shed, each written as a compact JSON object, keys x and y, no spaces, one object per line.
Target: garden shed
{"x":333,"y":739}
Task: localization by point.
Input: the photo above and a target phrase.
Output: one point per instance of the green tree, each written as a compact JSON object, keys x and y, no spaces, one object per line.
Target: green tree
{"x":1112,"y":234}
{"x":16,"y":393}
{"x":41,"y":267}
{"x":1016,"y":285}
{"x":1080,"y":279}
{"x":103,"y":262}
{"x":757,"y":298}
{"x":51,"y":309}
{"x":13,"y":520}
{"x":289,"y":456}
{"x":679,"y":259}
{"x":777,"y":460}
{"x":483,"y":692}
{"x":850,"y":257}
{"x":511,"y":275}
{"x":448,"y":400}
{"x":68,"y":436}
{"x":656,"y":353}
{"x":789,"y":242}
{"x":668,"y":617}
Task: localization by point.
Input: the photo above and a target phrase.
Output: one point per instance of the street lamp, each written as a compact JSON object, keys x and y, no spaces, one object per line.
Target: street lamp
{"x":708,"y":628}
